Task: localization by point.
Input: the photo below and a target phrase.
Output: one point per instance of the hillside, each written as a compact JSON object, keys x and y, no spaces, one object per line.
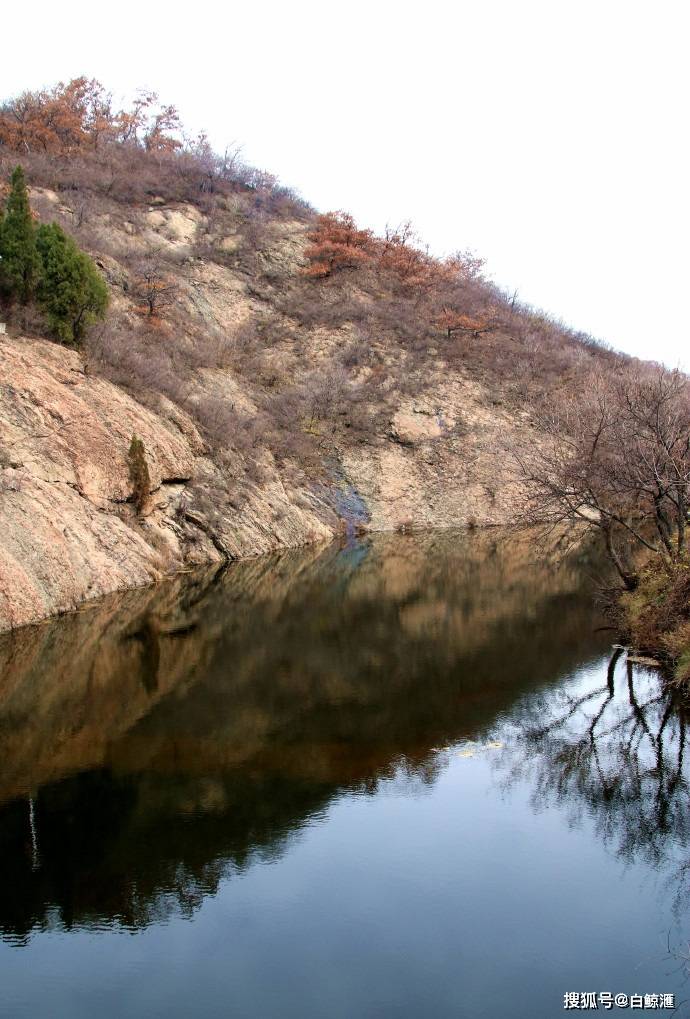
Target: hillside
{"x":291,"y":376}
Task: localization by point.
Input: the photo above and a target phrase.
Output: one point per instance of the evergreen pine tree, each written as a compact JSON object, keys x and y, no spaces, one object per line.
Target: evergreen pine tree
{"x":138,"y":473}
{"x":19,"y":261}
{"x":71,"y":292}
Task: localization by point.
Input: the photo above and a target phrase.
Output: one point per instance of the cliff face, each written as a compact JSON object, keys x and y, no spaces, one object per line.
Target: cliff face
{"x":67,"y":530}
{"x":274,"y":411}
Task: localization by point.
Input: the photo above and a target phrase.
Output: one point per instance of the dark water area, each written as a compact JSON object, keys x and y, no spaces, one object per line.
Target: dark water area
{"x":403,"y":777}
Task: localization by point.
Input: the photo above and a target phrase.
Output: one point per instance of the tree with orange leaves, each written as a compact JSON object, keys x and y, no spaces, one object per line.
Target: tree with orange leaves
{"x":454,"y":321}
{"x":401,"y":255}
{"x":79,"y":115}
{"x":159,"y":138}
{"x":337,"y":243}
{"x":61,"y":119}
{"x":149,"y":124}
{"x":464,"y":308}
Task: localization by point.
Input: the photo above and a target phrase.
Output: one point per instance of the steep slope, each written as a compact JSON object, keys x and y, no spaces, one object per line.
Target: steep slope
{"x":291,"y":376}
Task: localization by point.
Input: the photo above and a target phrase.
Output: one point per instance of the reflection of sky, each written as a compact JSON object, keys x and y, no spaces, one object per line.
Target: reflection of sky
{"x":449,"y":898}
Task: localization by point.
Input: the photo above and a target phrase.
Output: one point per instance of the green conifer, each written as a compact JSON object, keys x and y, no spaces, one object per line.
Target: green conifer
{"x":138,"y":473}
{"x":71,"y":292}
{"x":19,"y":261}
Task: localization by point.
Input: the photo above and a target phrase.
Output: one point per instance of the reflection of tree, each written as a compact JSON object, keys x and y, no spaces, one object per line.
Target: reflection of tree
{"x":109,"y":849}
{"x":616,"y":751}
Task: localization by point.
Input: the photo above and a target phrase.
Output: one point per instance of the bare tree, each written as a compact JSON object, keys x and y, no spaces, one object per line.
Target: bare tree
{"x":153,"y":285}
{"x":619,"y":462}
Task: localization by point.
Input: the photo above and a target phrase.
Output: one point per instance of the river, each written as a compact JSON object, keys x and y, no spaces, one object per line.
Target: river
{"x":405,"y":776}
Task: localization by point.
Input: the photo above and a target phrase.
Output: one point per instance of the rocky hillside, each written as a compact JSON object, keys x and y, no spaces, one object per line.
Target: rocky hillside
{"x":69,"y":531}
{"x":291,"y":376}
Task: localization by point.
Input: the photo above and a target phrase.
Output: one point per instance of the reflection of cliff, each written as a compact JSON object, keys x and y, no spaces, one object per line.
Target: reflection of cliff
{"x":210,"y":718}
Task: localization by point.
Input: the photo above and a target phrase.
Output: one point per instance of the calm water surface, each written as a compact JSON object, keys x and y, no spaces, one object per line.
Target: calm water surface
{"x":400,"y":778}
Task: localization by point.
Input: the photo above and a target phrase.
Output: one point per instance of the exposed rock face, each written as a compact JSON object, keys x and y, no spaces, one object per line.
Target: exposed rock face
{"x":447,"y":463}
{"x":411,"y":428}
{"x":63,"y":427}
{"x":67,"y":529}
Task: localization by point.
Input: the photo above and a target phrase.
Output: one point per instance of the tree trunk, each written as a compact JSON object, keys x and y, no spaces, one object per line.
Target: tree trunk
{"x":629,"y":577}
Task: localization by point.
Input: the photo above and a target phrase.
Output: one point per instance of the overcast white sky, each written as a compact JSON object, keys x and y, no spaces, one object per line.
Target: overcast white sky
{"x":548,"y":136}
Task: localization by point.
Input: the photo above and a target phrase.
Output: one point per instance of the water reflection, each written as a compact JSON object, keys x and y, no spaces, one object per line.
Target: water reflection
{"x":615,"y":751}
{"x":159,"y":742}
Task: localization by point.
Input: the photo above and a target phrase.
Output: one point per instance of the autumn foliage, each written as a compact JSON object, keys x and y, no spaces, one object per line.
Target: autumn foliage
{"x":79,"y":115}
{"x":336,"y":244}
{"x":399,"y":261}
{"x":453,"y":321}
{"x":402,"y":256}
